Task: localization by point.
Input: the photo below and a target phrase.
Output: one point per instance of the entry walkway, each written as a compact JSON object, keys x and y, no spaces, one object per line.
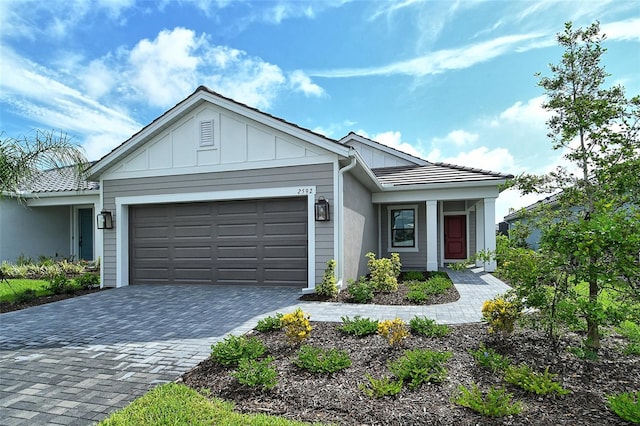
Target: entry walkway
{"x":76,"y":361}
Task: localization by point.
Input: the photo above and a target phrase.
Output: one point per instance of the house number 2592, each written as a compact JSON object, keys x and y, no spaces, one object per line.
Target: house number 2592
{"x":304,"y":191}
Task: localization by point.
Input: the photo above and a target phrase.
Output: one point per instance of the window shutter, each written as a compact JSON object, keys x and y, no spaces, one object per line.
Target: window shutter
{"x":206,"y":133}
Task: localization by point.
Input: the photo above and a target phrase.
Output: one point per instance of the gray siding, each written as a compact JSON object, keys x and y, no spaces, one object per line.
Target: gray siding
{"x":319,"y":175}
{"x":410,"y":260}
{"x":33,"y":231}
{"x":360,"y":227}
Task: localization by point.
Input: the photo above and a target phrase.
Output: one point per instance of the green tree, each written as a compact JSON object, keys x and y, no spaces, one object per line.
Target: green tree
{"x":23,"y":158}
{"x":591,"y":230}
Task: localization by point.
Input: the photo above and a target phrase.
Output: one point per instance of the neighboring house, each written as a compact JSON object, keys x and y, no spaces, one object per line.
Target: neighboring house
{"x":55,"y":218}
{"x":214,"y":191}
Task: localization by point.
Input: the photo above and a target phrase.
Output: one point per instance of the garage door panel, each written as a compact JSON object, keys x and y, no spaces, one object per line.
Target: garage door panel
{"x":252,"y":242}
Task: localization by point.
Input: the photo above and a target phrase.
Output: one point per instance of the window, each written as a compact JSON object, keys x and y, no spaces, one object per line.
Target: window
{"x":403,"y":227}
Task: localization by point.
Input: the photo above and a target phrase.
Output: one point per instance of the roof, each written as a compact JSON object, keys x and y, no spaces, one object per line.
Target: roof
{"x":190,"y":101}
{"x":434,"y":173}
{"x":409,"y":157}
{"x":58,"y":180}
{"x":517,"y":214}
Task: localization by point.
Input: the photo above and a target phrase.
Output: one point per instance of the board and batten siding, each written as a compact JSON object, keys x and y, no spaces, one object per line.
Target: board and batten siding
{"x":360,"y":227}
{"x":318,"y":175}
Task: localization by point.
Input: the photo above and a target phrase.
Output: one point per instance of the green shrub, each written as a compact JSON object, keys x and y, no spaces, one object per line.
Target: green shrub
{"x":25,"y":296}
{"x":428,"y":327}
{"x":384,"y":272}
{"x":421,"y":291}
{"x":88,"y":280}
{"x":501,"y":313}
{"x":328,"y":286}
{"x":413,"y":276}
{"x":318,"y":360}
{"x":583,"y":352}
{"x":626,"y":405}
{"x":377,"y":388}
{"x":419,"y":366}
{"x":489,"y":358}
{"x":539,"y":383}
{"x":496,"y":402}
{"x":59,"y":284}
{"x":630,"y":331}
{"x":359,"y":326}
{"x":270,"y":323}
{"x":459,"y":266}
{"x":234,"y":348}
{"x":360,"y":291}
{"x":255,"y":373}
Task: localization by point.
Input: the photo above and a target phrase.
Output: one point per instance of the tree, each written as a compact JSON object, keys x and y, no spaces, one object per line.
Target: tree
{"x":22,"y":159}
{"x":591,"y":232}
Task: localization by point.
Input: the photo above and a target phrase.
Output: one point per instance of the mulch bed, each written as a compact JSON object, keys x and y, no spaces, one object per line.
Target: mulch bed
{"x":336,"y":398}
{"x":10,"y":306}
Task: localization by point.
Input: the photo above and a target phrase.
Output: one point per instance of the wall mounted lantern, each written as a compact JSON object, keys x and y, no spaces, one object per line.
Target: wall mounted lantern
{"x":322,"y":210}
{"x":105,"y":221}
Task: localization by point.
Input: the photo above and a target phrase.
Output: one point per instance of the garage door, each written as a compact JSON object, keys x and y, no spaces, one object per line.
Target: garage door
{"x":257,"y":242}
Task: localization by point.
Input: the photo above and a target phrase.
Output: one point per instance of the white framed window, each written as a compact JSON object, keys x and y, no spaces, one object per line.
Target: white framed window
{"x":403,"y":228}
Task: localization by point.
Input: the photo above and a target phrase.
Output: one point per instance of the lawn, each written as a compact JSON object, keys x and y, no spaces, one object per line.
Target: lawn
{"x":10,"y":291}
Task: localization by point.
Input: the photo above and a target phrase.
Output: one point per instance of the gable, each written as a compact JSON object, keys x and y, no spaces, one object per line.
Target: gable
{"x":378,"y":155}
{"x":211,"y":138}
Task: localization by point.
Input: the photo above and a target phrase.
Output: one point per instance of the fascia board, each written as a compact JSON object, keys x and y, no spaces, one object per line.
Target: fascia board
{"x":445,"y":185}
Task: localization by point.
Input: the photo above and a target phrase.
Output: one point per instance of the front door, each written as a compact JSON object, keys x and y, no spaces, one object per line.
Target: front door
{"x":455,"y":237}
{"x":85,"y":234}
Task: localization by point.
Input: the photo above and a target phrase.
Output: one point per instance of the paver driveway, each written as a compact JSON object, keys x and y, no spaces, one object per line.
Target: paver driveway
{"x":76,"y":361}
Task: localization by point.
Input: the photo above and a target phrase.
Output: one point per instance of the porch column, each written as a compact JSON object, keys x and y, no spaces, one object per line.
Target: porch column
{"x":432,"y":235}
{"x":490,"y":230}
{"x":479,"y":229}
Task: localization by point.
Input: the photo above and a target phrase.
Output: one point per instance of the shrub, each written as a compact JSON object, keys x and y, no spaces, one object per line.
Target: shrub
{"x":360,"y":291}
{"x":328,"y":286}
{"x":296,"y":326}
{"x":270,"y":323}
{"x":421,"y":291}
{"x":384,"y":272}
{"x":489,"y":358}
{"x":26,"y":296}
{"x":318,"y":360}
{"x":630,"y":331}
{"x":413,"y":276}
{"x":459,"y":266}
{"x":626,"y":405}
{"x":420,"y":366}
{"x":88,"y":280}
{"x":496,"y":402}
{"x":394,"y":331}
{"x":359,"y":326}
{"x":59,"y":284}
{"x":428,"y":327}
{"x":501,"y":313}
{"x":234,"y":348}
{"x":255,"y":373}
{"x":377,"y":388}
{"x":531,"y":381}
{"x":583,"y":352}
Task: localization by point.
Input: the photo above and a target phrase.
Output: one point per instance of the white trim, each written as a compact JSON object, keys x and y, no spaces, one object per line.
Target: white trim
{"x":401,"y":196}
{"x":416,"y":221}
{"x":66,"y":200}
{"x":122,"y":219}
{"x":432,"y":234}
{"x":382,"y":148}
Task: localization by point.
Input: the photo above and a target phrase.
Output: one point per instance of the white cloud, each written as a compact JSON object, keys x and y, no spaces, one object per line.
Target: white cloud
{"x":392,"y":139}
{"x":622,"y":30}
{"x":458,"y":138}
{"x":301,"y":82}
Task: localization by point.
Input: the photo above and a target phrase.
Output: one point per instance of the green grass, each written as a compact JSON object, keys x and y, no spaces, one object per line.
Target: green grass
{"x":19,"y":285}
{"x":176,"y":404}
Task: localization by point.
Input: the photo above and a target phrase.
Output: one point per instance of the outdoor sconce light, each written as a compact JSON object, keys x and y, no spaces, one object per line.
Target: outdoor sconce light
{"x":322,"y":210}
{"x":105,"y":221}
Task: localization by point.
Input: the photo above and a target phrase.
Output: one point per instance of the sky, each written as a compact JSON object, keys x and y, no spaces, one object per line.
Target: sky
{"x":451,"y":81}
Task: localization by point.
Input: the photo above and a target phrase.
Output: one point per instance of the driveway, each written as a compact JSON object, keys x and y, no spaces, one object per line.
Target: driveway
{"x":76,"y":361}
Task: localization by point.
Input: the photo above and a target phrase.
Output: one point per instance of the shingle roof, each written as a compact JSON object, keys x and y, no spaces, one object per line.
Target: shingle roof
{"x":58,"y":180}
{"x":434,"y":173}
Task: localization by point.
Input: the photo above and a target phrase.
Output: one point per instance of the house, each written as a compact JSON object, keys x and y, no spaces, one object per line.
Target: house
{"x":214,"y":191}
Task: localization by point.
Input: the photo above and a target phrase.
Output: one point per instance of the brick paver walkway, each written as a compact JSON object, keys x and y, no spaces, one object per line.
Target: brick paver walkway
{"x":73,"y":362}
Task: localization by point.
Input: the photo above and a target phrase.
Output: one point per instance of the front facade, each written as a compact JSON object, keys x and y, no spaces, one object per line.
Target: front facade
{"x":216,"y":192}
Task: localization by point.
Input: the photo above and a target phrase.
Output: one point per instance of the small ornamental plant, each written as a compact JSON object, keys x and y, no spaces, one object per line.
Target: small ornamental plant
{"x":626,"y":405}
{"x":318,"y":360}
{"x":501,"y":313}
{"x":394,"y":331}
{"x":420,"y":366}
{"x":494,"y":403}
{"x":328,"y":286}
{"x":254,"y":373}
{"x":359,"y":326}
{"x":534,"y":382}
{"x":270,"y":323}
{"x":384,"y":272}
{"x":234,"y":348}
{"x":296,"y":326}
{"x":360,"y":291}
{"x":490,"y":359}
{"x":377,"y":388}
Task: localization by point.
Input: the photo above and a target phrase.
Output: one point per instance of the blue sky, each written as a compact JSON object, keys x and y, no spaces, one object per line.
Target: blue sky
{"x":449,"y":81}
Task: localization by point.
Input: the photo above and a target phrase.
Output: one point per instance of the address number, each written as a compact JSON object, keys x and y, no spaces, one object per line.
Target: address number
{"x":304,"y":191}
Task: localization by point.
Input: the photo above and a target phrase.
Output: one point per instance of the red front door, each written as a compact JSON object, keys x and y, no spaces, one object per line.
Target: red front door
{"x":455,"y":237}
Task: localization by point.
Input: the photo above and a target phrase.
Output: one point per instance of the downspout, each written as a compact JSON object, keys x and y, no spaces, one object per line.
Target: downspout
{"x":340,"y":217}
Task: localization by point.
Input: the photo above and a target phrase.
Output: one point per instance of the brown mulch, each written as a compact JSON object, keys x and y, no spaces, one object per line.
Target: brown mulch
{"x":336,"y":398}
{"x":11,"y":306}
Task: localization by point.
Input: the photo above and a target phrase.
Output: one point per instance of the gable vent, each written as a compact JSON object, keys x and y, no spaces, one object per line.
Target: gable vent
{"x":206,"y":133}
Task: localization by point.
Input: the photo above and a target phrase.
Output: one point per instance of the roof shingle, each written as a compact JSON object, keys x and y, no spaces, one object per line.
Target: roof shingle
{"x":434,"y":173}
